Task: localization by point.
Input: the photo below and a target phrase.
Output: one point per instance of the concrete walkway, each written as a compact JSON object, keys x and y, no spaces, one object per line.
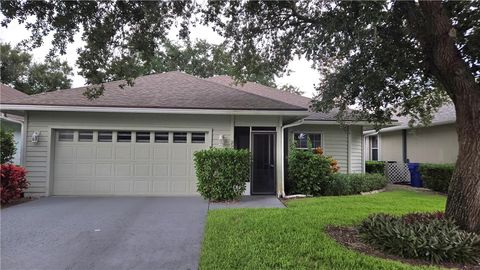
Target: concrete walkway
{"x":254,"y":201}
{"x":103,"y":233}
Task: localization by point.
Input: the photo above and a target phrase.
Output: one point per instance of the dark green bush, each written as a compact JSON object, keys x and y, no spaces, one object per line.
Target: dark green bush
{"x":437,"y":176}
{"x":431,"y":238}
{"x":222,"y":173}
{"x":7,"y":146}
{"x":372,"y":166}
{"x":308,"y":172}
{"x":346,"y":184}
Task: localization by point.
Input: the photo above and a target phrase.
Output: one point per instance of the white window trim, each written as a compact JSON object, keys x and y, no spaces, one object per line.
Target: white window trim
{"x":372,"y":148}
{"x":322,"y":144}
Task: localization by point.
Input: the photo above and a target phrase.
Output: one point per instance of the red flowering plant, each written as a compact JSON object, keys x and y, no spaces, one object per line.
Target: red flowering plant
{"x":333,"y":163}
{"x":13,"y":182}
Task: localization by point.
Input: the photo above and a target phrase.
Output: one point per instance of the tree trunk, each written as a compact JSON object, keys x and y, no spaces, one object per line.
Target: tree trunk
{"x":446,"y":64}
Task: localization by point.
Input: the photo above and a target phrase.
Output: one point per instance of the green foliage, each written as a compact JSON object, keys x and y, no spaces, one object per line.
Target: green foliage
{"x":431,"y":238}
{"x":18,"y":70}
{"x":291,"y":89}
{"x":373,"y":166}
{"x":308,"y":173}
{"x":7,"y":146}
{"x":222,"y":173}
{"x":295,"y":237}
{"x":347,"y":184}
{"x":437,"y":176}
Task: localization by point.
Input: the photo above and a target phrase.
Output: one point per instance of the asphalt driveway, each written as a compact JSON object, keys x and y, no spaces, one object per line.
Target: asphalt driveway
{"x":103,"y":233}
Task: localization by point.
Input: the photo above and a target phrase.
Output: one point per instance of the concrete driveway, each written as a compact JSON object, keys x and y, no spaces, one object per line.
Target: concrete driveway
{"x":103,"y":233}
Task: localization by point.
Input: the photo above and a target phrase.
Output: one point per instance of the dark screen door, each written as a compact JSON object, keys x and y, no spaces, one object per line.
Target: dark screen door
{"x":263,"y":167}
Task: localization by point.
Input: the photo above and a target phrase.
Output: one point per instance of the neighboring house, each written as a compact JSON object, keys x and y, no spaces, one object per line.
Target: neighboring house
{"x":436,"y":143}
{"x":12,"y":122}
{"x":140,"y":140}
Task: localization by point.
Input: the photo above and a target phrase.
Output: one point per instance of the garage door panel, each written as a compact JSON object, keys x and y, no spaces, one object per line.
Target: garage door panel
{"x":123,"y":170}
{"x":105,"y":152}
{"x":103,"y":169}
{"x":161,"y":170}
{"x":122,"y":152}
{"x":85,"y":152}
{"x":142,"y":152}
{"x":161,"y":167}
{"x":142,"y":170}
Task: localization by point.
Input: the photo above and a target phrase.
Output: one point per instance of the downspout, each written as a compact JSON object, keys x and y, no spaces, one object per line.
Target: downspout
{"x":294,"y":124}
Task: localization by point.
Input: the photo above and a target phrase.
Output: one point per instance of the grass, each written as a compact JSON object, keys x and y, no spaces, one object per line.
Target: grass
{"x":294,"y":237}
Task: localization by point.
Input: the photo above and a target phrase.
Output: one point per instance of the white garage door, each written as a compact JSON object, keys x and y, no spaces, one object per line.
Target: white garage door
{"x":90,"y":162}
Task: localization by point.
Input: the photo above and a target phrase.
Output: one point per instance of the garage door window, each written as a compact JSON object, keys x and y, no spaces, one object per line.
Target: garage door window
{"x":104,"y":136}
{"x":65,"y":135}
{"x":85,"y":136}
{"x":161,"y":137}
{"x":143,"y":137}
{"x":198,"y":137}
{"x":180,"y":137}
{"x":124,"y":136}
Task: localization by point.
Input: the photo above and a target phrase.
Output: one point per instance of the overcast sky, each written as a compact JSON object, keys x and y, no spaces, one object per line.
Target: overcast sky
{"x":302,"y":75}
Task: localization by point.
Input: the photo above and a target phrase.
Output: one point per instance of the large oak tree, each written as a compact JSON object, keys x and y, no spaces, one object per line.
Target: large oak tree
{"x":385,"y":57}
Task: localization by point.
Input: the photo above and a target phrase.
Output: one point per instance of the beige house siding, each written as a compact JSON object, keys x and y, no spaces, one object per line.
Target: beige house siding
{"x":436,"y":144}
{"x":391,"y":146}
{"x":38,"y":155}
{"x":335,"y":143}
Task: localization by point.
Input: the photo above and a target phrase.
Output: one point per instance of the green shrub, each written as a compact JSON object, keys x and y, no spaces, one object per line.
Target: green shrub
{"x":432,"y":238}
{"x":7,"y":146}
{"x":308,"y":172}
{"x":372,"y":166}
{"x":346,"y":184}
{"x":222,"y":173}
{"x":437,"y":176}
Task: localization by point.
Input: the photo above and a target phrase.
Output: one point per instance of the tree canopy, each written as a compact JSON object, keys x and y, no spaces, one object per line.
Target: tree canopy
{"x":18,"y":70}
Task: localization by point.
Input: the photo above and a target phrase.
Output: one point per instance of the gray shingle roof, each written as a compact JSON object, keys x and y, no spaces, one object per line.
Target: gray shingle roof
{"x":8,"y":93}
{"x":276,"y":94}
{"x":175,"y":90}
{"x":445,"y":114}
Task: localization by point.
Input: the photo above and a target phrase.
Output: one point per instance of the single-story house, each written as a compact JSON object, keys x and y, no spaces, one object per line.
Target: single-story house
{"x":436,"y":143}
{"x":12,"y":122}
{"x":139,"y":140}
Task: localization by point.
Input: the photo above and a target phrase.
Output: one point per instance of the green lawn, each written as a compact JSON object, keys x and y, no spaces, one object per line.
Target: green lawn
{"x":294,"y":238}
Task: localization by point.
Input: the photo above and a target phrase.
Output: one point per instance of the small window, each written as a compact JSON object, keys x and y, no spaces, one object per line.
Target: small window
{"x":161,"y":137}
{"x":143,"y":137}
{"x":124,"y":136}
{"x":198,"y":137}
{"x":306,"y":140}
{"x":85,"y":136}
{"x":105,"y":136}
{"x":374,"y":147}
{"x":180,"y":137}
{"x":65,"y":135}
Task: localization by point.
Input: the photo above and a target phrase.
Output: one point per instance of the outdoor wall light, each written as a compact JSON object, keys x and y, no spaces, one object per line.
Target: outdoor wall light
{"x":35,"y":136}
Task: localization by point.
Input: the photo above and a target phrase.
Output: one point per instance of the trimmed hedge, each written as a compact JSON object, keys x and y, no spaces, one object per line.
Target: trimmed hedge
{"x":222,"y":173}
{"x":308,"y":172}
{"x":437,"y":176}
{"x":372,"y":166}
{"x":13,"y":182}
{"x":421,"y":236}
{"x":348,"y":184}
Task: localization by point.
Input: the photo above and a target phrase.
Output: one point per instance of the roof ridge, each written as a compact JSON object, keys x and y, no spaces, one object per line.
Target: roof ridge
{"x":250,"y":93}
{"x":246,"y":92}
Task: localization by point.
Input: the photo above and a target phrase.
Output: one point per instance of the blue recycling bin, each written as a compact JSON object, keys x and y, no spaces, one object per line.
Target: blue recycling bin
{"x":415,"y":176}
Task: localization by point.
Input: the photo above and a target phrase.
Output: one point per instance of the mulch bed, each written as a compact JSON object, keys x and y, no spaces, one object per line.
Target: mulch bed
{"x":349,"y":237}
{"x":19,"y":201}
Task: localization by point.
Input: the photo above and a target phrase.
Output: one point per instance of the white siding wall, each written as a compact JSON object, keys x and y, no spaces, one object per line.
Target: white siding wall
{"x":356,"y":159}
{"x":336,"y":142}
{"x":37,"y":155}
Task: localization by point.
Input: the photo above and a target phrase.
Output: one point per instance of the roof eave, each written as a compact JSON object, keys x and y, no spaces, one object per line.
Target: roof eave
{"x":18,"y":107}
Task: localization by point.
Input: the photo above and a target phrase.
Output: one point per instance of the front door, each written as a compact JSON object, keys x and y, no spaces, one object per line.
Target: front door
{"x":263,"y":167}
